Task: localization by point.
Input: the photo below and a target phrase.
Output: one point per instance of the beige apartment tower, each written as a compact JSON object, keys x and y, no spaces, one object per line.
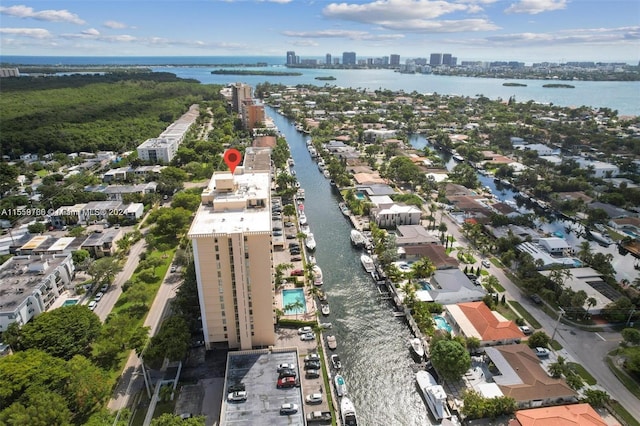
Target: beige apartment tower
{"x":231,"y":236}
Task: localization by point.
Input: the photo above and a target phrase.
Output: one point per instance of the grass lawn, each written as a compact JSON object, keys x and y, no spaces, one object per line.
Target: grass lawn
{"x":505,"y":311}
{"x":556,"y":345}
{"x":497,"y":286}
{"x":622,"y":375}
{"x":622,"y":412}
{"x":42,"y":173}
{"x":586,"y":376}
{"x":525,"y":314}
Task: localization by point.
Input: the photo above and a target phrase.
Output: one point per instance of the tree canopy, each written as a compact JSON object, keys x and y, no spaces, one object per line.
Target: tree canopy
{"x":450,"y":359}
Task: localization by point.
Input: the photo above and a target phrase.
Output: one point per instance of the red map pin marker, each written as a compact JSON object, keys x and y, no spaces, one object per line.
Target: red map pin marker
{"x":232,"y":158}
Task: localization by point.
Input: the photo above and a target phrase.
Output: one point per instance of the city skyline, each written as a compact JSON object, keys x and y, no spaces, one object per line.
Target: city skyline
{"x":481,"y":30}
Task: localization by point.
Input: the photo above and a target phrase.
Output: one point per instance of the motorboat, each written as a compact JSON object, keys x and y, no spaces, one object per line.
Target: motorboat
{"x":332,"y":343}
{"x":434,"y":395}
{"x":367,"y":263}
{"x":357,"y":238}
{"x":344,"y":209}
{"x":322,"y":295}
{"x":417,"y":347}
{"x":600,"y":238}
{"x":348,"y":412}
{"x":300,"y":194}
{"x":459,"y":158}
{"x":310,"y":241}
{"x":311,"y":259}
{"x":341,"y":385}
{"x":317,"y":275}
{"x":335,"y":361}
{"x":326,"y":325}
{"x":326,"y":174}
{"x":313,"y":152}
{"x":302,"y":218}
{"x":325,"y":309}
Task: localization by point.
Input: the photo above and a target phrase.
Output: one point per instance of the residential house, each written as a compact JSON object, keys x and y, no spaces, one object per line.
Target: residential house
{"x":449,"y":286}
{"x":100,"y":244}
{"x":569,"y":415}
{"x":436,"y":253}
{"x":555,"y":246}
{"x":397,"y":214}
{"x":475,"y":319}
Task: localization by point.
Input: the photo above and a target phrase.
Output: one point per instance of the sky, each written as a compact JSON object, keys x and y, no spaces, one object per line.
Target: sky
{"x":471,"y":30}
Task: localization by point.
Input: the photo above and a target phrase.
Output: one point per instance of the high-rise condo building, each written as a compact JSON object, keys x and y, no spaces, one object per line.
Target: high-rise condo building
{"x":291,"y":58}
{"x":231,"y":237}
{"x":327,"y":59}
{"x":446,"y":59}
{"x":394,"y":60}
{"x":239,"y":92}
{"x":435,"y":59}
{"x":348,"y":58}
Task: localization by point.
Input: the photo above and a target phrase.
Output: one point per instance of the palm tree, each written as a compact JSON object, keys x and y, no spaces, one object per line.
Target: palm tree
{"x":296,"y":306}
{"x":591,"y":302}
{"x":423,"y":268}
{"x":584,"y":252}
{"x":558,"y":368}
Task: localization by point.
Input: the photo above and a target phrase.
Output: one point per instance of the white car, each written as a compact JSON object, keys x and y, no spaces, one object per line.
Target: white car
{"x":308,"y":337}
{"x":98,"y":296}
{"x":314,"y":398}
{"x":104,"y":288}
{"x":92,"y":305}
{"x":305,"y":330}
{"x":526,"y":330}
{"x":288,"y":409}
{"x":239,"y":396}
{"x":286,"y":366}
{"x":312,"y":357}
{"x":541,"y":352}
{"x":486,"y":263}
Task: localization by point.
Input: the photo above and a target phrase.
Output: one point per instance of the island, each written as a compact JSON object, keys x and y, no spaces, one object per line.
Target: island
{"x":249,"y":72}
{"x":325,"y":78}
{"x":558,"y":86}
{"x":514,"y":84}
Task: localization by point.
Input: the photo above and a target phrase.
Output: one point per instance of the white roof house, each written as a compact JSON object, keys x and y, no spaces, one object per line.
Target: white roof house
{"x":397,"y":214}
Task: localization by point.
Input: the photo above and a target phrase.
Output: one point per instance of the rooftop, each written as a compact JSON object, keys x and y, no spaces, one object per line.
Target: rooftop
{"x":563,"y":415}
{"x":475,"y":319}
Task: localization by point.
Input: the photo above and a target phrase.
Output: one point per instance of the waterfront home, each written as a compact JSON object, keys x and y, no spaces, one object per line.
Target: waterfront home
{"x":612,"y":211}
{"x":436,"y":253}
{"x":539,"y":254}
{"x":520,"y":376}
{"x":450,"y":286}
{"x":414,"y":235}
{"x":555,"y":245}
{"x":627,"y":224}
{"x":395,"y":215}
{"x":475,"y":319}
{"x":574,"y":414}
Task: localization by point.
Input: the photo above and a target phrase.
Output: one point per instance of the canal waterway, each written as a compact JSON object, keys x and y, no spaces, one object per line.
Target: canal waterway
{"x":622,"y":262}
{"x":373,"y":345}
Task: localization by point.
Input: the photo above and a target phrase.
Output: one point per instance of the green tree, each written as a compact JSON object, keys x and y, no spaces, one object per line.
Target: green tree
{"x":423,"y":268}
{"x":631,"y":336}
{"x":464,"y":174}
{"x":104,"y":270}
{"x":62,"y":332}
{"x":79,"y":256}
{"x":186,"y":200}
{"x":37,"y":408}
{"x":172,"y":420}
{"x":450,"y":359}
{"x":171,"y":342}
{"x":596,"y":398}
{"x":89,"y":386}
{"x":37,"y":228}
{"x":538,"y":339}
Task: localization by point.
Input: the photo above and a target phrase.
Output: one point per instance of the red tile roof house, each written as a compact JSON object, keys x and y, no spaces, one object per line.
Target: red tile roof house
{"x":475,"y":319}
{"x":564,"y":415}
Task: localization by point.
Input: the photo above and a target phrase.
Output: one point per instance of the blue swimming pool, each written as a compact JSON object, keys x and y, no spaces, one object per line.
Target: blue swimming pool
{"x":425,"y":285}
{"x":289,"y":297}
{"x":360,"y":196}
{"x":442,"y":323}
{"x":70,"y":302}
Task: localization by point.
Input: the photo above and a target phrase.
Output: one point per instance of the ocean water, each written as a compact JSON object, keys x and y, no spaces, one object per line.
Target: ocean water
{"x":617,"y":95}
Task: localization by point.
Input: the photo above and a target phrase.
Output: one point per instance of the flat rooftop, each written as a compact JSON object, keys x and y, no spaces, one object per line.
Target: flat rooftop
{"x":257,"y":370}
{"x":20,"y":275}
{"x":245,"y":208}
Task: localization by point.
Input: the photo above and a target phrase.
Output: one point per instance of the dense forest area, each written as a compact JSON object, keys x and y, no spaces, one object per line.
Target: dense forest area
{"x":115,"y":111}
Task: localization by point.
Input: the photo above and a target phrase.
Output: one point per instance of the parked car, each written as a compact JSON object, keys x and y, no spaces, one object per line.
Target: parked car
{"x":286,"y":366}
{"x":286,"y":382}
{"x":486,"y":263}
{"x":289,"y":224}
{"x":104,"y":288}
{"x":92,"y":305}
{"x":174,"y":268}
{"x":312,"y":365}
{"x":314,"y":398}
{"x":277,"y":233}
{"x":312,"y":358}
{"x":297,"y":273}
{"x":536,"y":299}
{"x":294,"y":245}
{"x":312,"y":374}
{"x":291,"y":236}
{"x":541,"y":352}
{"x":287,"y":409}
{"x":287,"y":372}
{"x":296,"y":258}
{"x":98,"y":296}
{"x":238,"y":396}
{"x":308,"y":337}
{"x":294,"y":251}
{"x":304,"y":330}
{"x":276,"y":228}
{"x":526,"y":330}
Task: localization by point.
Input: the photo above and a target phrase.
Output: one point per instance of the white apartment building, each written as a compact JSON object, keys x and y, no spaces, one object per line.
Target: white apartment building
{"x":163,"y":148}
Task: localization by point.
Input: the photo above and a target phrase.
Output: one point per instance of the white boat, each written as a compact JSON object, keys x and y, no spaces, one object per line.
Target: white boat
{"x":434,"y":395}
{"x":311,"y":259}
{"x":326,"y":325}
{"x":325,"y":309}
{"x":317,"y":275}
{"x":344,"y":209}
{"x":348,"y":412}
{"x":310,"y":241}
{"x":332,"y":343}
{"x":313,"y":151}
{"x":458,"y":157}
{"x":600,"y":238}
{"x":417,"y":347}
{"x":357,"y":238}
{"x":367,"y":263}
{"x":341,"y":386}
{"x":302,"y":218}
{"x":335,"y":361}
{"x":326,"y":174}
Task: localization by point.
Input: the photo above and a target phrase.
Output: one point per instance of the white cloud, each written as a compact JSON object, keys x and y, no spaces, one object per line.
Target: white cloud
{"x":443,"y":26}
{"x":115,"y":25}
{"x":349,"y":34}
{"x":38,"y":33}
{"x":533,"y":7}
{"x":391,"y":10}
{"x":306,"y":43}
{"x":279,"y":1}
{"x":91,"y":32}
{"x":25,"y":12}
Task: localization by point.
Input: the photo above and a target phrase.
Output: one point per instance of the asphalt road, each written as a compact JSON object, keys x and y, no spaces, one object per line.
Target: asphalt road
{"x":583,"y":347}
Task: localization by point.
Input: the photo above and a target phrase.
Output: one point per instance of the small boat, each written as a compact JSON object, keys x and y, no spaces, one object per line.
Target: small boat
{"x":291,"y":162}
{"x":357,"y":238}
{"x":367,"y":263}
{"x":325,"y":309}
{"x":417,"y":347}
{"x":459,"y":158}
{"x":310,"y":241}
{"x":300,"y":194}
{"x":434,"y":395}
{"x":326,"y":174}
{"x":348,"y":412}
{"x":335,"y":361}
{"x":312,"y":259}
{"x":322,"y":295}
{"x":302,"y":218}
{"x":332,"y":343}
{"x":341,"y":386}
{"x":344,"y":209}
{"x":317,"y":275}
{"x":313,"y":152}
{"x":600,"y":238}
{"x":326,"y":325}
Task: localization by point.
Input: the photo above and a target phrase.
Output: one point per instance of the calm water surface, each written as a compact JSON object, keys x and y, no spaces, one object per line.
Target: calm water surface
{"x":372,"y":344}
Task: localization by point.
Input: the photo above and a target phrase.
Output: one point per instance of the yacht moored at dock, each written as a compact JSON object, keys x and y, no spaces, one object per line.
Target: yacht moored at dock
{"x":367,"y":263}
{"x":310,"y":241}
{"x":434,"y":395}
{"x":341,"y":386}
{"x":317,"y":276}
{"x":348,"y":412}
{"x":357,"y":238}
{"x":417,"y":347}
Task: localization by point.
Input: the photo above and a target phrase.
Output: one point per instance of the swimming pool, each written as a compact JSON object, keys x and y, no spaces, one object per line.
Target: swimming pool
{"x":292,"y":296}
{"x":360,"y":196}
{"x":70,"y":302}
{"x":442,"y":323}
{"x":425,"y":285}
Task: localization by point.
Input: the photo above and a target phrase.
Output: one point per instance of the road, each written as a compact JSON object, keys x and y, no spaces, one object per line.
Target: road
{"x":586,"y":348}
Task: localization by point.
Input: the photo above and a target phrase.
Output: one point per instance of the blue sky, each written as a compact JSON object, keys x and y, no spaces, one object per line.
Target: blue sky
{"x":523,"y":30}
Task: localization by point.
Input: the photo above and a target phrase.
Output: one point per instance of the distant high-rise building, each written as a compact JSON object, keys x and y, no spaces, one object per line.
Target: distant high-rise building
{"x":446,"y":59}
{"x":239,"y":93}
{"x":394,"y":60}
{"x":348,"y":58}
{"x":327,"y":59}
{"x":435,"y":59}
{"x":231,"y":238}
{"x":336,"y":61}
{"x":454,"y":61}
{"x":291,"y":58}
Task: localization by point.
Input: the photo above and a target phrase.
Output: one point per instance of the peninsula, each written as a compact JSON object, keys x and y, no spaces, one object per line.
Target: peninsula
{"x":249,"y":72}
